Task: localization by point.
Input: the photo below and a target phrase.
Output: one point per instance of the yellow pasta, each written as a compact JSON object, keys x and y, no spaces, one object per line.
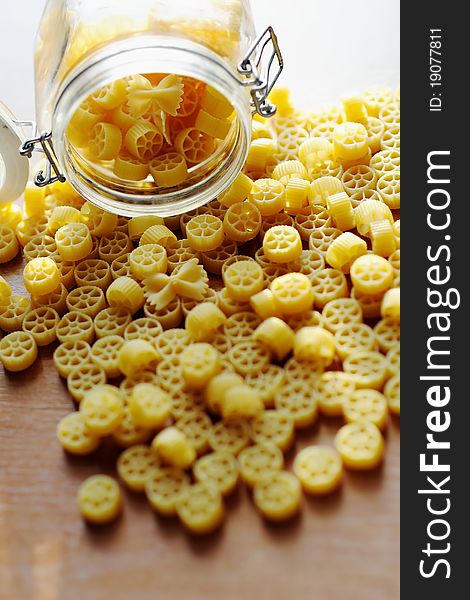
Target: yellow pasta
{"x":205,"y":232}
{"x":392,"y":393}
{"x":34,"y":199}
{"x":215,"y":103}
{"x":341,"y":211}
{"x":249,"y":357}
{"x":135,"y":465}
{"x":390,"y":307}
{"x":312,"y":219}
{"x":243,"y":279}
{"x":376,"y":97}
{"x":29,"y":228}
{"x":10,"y":214}
{"x":110,"y":96}
{"x":75,"y":437}
{"x":276,"y":335}
{"x":260,"y":154}
{"x":241,"y":402}
{"x":60,"y":216}
{"x":375,"y":129}
{"x":9,"y":246}
{"x":268,"y":195}
{"x":18,"y":351}
{"x":360,"y":445}
{"x":149,"y":405}
{"x":102,"y":408}
{"x":296,"y":195}
{"x":74,"y":241}
{"x":146,"y":260}
{"x":371,"y":274}
{"x":203,"y":321}
{"x":136,"y":355}
{"x":130,"y":168}
{"x":368,"y":367}
{"x":319,"y":469}
{"x":257,"y":461}
{"x":369,"y":211}
{"x":388,"y":187}
{"x":282,"y":244}
{"x":211,"y":125}
{"x":41,"y":276}
{"x":264,"y":304}
{"x":350,"y":141}
{"x":99,"y":499}
{"x":112,"y":321}
{"x":293,"y":293}
{"x":217,"y":387}
{"x":278,"y":496}
{"x":366,"y":405}
{"x":173,"y":448}
{"x":332,"y":389}
{"x":354,"y":109}
{"x":238,"y":191}
{"x":88,"y":299}
{"x":344,"y":250}
{"x":169,"y":170}
{"x":84,"y":378}
{"x":242,"y":222}
{"x":194,"y":145}
{"x":159,"y":234}
{"x":320,"y":189}
{"x":41,"y":323}
{"x":315,"y":345}
{"x":382,"y":237}
{"x":200,"y":363}
{"x":125,"y":293}
{"x":105,"y":141}
{"x":143,"y":141}
{"x":136,"y":226}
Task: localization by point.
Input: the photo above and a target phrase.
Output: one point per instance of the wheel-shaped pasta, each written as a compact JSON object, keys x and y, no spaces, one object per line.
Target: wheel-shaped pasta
{"x":9,"y":246}
{"x":41,"y":323}
{"x":293,"y":293}
{"x":143,"y":141}
{"x":344,"y":250}
{"x":328,"y":285}
{"x":368,"y":367}
{"x":282,"y":244}
{"x":350,"y":141}
{"x":18,"y":351}
{"x":268,"y":195}
{"x":310,"y":219}
{"x":242,"y":222}
{"x":243,"y":279}
{"x":388,"y":187}
{"x":105,"y":141}
{"x":205,"y":232}
{"x":169,"y":170}
{"x":371,"y":274}
{"x":74,"y":241}
{"x":194,"y":145}
{"x":41,"y":276}
{"x":88,"y":299}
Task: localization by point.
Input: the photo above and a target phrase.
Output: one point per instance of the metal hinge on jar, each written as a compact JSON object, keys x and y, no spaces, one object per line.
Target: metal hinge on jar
{"x":42,"y":143}
{"x":262,"y":74}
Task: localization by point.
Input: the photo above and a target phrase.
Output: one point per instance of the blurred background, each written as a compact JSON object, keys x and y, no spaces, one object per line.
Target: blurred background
{"x":330,"y":48}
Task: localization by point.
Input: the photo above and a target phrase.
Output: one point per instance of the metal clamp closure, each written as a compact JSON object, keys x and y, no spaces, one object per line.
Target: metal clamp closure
{"x":262,"y":72}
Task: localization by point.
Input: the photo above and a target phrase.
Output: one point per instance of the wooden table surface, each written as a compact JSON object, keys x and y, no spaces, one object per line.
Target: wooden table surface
{"x":343,"y":547}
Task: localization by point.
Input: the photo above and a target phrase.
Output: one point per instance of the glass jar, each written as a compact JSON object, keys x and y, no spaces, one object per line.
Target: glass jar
{"x":84,"y":45}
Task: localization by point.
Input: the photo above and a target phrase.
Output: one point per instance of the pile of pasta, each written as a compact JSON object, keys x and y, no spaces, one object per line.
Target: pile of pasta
{"x":201,"y":343}
{"x":153,"y":125}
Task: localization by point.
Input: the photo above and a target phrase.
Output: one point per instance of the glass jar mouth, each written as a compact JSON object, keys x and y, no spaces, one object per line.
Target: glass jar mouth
{"x":144,"y":54}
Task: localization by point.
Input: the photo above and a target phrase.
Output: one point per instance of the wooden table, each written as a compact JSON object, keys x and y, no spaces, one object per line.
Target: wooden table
{"x":344,"y":547}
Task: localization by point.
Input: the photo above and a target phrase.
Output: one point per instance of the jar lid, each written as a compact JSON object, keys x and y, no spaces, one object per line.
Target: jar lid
{"x":14,"y":168}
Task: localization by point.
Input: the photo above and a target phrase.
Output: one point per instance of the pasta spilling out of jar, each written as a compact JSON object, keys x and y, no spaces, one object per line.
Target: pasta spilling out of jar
{"x":153,"y":133}
{"x":200,"y":344}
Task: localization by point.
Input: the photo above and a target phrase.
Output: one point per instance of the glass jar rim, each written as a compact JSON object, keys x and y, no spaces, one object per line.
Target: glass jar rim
{"x":144,"y":53}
